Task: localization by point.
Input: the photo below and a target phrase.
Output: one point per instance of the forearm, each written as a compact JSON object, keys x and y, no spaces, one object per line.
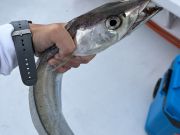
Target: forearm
{"x":8,"y":60}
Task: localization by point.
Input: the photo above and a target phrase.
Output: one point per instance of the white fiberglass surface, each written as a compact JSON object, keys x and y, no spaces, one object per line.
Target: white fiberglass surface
{"x":171,"y":5}
{"x":110,"y":95}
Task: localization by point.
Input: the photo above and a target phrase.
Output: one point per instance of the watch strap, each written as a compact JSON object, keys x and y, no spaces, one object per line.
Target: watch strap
{"x":22,"y":38}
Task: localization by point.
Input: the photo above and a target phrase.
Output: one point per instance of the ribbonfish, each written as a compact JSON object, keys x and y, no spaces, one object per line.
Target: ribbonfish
{"x":92,"y":32}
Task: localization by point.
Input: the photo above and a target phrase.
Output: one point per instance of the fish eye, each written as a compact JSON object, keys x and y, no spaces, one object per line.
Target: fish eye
{"x":113,"y":22}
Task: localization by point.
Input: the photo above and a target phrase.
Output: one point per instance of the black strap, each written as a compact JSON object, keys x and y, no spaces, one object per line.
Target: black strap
{"x":22,"y":38}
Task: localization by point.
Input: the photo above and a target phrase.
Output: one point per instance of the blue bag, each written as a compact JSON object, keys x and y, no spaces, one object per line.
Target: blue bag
{"x":164,"y":113}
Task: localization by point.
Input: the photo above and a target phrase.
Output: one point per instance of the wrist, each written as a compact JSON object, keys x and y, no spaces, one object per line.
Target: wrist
{"x":33,"y":27}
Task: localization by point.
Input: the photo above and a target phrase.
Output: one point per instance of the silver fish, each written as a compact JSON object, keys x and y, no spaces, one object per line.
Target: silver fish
{"x":92,"y":32}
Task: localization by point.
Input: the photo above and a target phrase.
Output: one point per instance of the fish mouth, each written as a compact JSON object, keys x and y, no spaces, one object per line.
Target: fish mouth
{"x":146,"y":11}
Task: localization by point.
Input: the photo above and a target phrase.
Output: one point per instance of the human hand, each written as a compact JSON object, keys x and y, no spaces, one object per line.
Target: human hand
{"x":44,"y":36}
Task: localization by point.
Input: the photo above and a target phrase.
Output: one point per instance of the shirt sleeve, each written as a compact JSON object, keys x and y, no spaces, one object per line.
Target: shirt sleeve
{"x":8,"y":59}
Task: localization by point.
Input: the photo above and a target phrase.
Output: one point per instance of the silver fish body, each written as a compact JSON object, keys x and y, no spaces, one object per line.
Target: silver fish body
{"x":92,"y":32}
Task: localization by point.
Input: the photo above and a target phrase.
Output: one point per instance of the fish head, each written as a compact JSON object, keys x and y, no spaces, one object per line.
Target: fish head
{"x":102,"y":27}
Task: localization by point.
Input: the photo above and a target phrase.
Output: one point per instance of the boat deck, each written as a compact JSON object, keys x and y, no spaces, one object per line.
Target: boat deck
{"x":109,"y":96}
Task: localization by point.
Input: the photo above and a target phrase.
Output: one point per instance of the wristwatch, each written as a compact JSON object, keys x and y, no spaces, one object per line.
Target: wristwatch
{"x":22,"y":38}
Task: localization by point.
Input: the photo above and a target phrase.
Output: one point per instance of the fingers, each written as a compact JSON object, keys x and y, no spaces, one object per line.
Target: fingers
{"x":76,"y":61}
{"x":73,"y":63}
{"x":84,"y":59}
{"x":53,"y":62}
{"x":62,"y":69}
{"x":63,"y":40}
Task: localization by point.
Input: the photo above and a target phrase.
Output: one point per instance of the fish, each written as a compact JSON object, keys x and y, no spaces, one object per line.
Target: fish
{"x":93,"y":32}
